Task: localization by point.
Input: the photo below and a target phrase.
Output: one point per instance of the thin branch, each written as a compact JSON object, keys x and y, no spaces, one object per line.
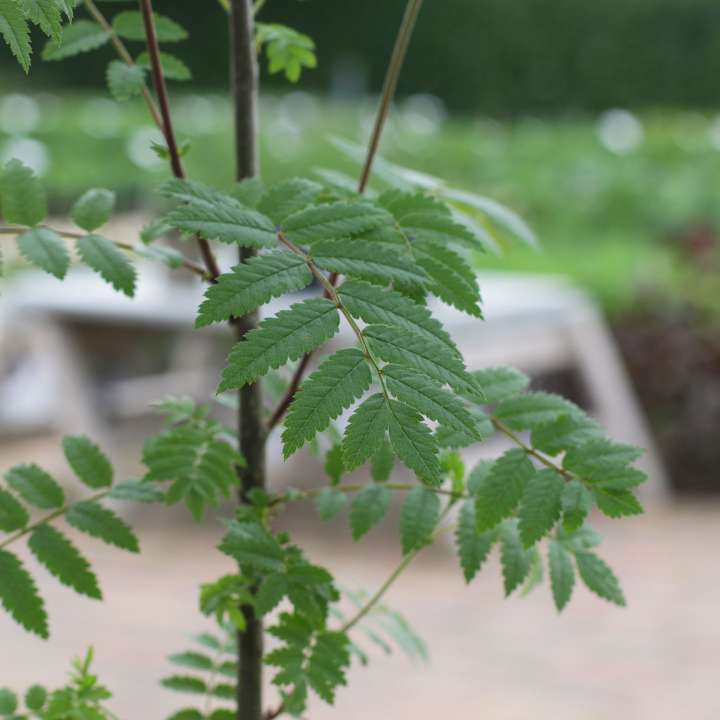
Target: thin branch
{"x":357,"y":487}
{"x":124,"y":55}
{"x":389,"y":88}
{"x":188,"y":264}
{"x":397,"y":59}
{"x":407,"y":559}
{"x":167,"y":126}
{"x":49,"y":518}
{"x":505,"y":430}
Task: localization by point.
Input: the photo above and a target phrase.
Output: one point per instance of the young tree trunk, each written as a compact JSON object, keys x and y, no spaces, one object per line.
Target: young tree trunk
{"x":244,"y":78}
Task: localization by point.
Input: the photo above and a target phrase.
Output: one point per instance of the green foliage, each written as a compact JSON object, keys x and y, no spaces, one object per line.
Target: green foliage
{"x":562,"y":574}
{"x":332,"y":388}
{"x":98,"y":521}
{"x":500,"y":383}
{"x":413,"y":442}
{"x":368,"y":508}
{"x":87,"y":461}
{"x":502,"y":488}
{"x":540,"y":506}
{"x":332,"y":221}
{"x":129,"y":25}
{"x":599,"y":578}
{"x":288,"y":197}
{"x":173,"y":67}
{"x":80,"y":37}
{"x":15,"y":31}
{"x":287,"y":50}
{"x":19,"y":595}
{"x":251,"y":285}
{"x":365,"y":432}
{"x":22,"y":196}
{"x":125,"y":81}
{"x":46,"y":249}
{"x":330,"y":502}
{"x":420,"y":514}
{"x":35,"y":486}
{"x":111,"y":263}
{"x":386,"y":307}
{"x":277,"y":340}
{"x":533,"y":410}
{"x":515,"y":559}
{"x":193,"y":454}
{"x":214,"y":669}
{"x":367,"y":262}
{"x":473,"y":547}
{"x":63,"y":559}
{"x":13,"y":515}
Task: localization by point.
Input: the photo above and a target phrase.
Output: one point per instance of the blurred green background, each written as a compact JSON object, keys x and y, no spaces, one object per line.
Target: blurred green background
{"x":596,"y":120}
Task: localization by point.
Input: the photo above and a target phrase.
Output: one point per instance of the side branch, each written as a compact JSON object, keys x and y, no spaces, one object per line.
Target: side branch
{"x":167,"y":126}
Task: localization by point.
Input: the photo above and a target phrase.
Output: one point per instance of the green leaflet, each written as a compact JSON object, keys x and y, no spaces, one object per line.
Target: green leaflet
{"x":617,"y":503}
{"x":87,"y":461}
{"x":226,"y":222}
{"x":195,"y":193}
{"x":500,"y":383}
{"x":99,"y":522}
{"x":540,"y":506}
{"x":173,"y":67}
{"x":514,"y":558}
{"x":35,"y":486}
{"x":562,"y":574}
{"x":425,"y":218}
{"x":413,"y":442}
{"x":386,"y":307}
{"x":64,"y":561}
{"x":599,"y":458}
{"x":287,"y":50}
{"x":330,"y":502}
{"x":23,"y":200}
{"x":334,"y":220}
{"x":473,"y":547}
{"x":198,"y":463}
{"x":383,"y":462}
{"x":398,"y":345}
{"x":35,"y":697}
{"x":427,"y":397}
{"x":501,"y":489}
{"x":287,"y":336}
{"x":111,"y":263}
{"x":452,"y":437}
{"x":46,"y":249}
{"x":577,"y":502}
{"x":332,"y":388}
{"x":365,"y":431}
{"x":564,"y":433}
{"x":334,"y":465}
{"x":251,"y":285}
{"x":527,"y":412}
{"x":454,"y":281}
{"x":15,"y":31}
{"x":19,"y":595}
{"x":418,"y":518}
{"x":124,"y":81}
{"x":93,"y":209}
{"x":369,"y":508}
{"x":287,"y":198}
{"x":13,"y":516}
{"x":368,"y":262}
{"x":599,"y":578}
{"x":250,"y":543}
{"x":137,"y":491}
{"x":79,"y":37}
{"x":129,"y":25}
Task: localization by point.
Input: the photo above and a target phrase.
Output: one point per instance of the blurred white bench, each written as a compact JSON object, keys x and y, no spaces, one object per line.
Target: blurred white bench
{"x":539,"y":324}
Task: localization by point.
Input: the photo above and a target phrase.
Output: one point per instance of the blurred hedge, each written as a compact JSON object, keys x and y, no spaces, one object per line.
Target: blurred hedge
{"x":495,"y":56}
